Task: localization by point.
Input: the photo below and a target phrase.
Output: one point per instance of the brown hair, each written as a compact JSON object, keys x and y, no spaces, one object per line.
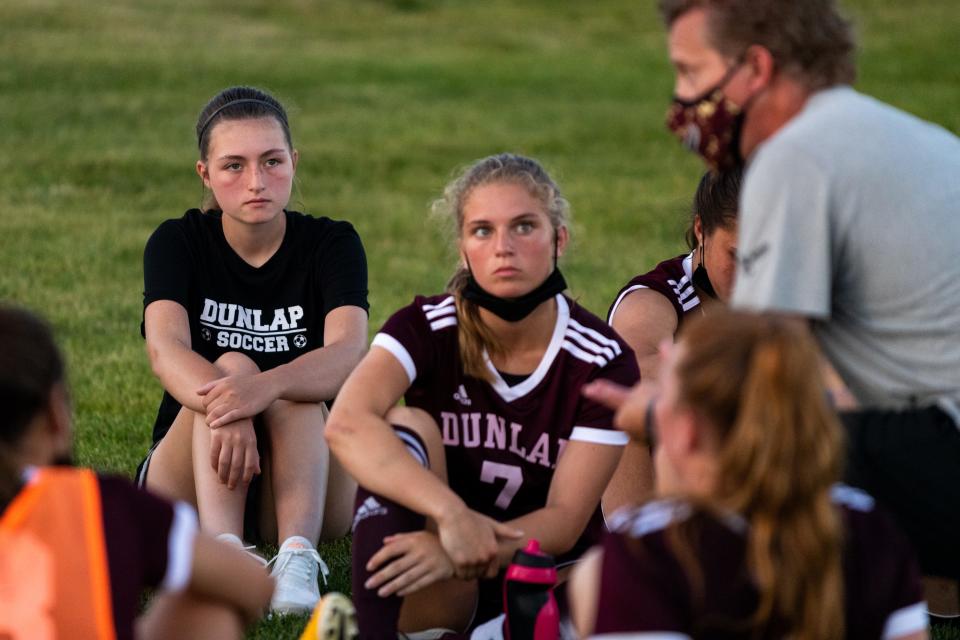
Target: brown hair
{"x":755,"y":379}
{"x":808,"y":39}
{"x":716,"y":203}
{"x":474,"y":335}
{"x":30,"y":366}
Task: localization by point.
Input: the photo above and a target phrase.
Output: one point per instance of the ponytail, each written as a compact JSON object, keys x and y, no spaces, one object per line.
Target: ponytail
{"x":756,"y":381}
{"x":473,"y":336}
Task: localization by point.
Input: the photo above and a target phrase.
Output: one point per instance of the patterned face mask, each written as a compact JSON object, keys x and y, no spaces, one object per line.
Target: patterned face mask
{"x":710,"y":125}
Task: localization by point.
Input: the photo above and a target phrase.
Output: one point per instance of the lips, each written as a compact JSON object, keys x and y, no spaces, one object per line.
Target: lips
{"x":506,"y":271}
{"x":257,"y":201}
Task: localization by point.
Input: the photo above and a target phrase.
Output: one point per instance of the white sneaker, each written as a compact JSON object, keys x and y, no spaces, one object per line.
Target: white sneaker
{"x":295,"y":568}
{"x":251,"y":549}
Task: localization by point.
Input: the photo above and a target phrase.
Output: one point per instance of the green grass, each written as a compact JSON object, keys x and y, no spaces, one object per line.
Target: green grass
{"x":386,"y":99}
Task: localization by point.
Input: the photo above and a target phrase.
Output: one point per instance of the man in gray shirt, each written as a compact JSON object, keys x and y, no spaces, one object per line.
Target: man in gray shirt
{"x":850,"y":214}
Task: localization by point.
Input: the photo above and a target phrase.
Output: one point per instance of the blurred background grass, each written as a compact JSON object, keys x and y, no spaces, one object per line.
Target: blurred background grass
{"x":387,"y":98}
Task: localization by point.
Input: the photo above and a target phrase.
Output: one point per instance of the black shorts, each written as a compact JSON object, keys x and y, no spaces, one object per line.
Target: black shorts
{"x":910,"y":462}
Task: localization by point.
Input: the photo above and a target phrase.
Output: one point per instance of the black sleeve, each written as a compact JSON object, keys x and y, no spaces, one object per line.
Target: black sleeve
{"x":342,"y":266}
{"x":166,"y":266}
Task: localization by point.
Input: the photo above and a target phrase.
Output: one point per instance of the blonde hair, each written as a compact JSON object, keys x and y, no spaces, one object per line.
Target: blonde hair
{"x":474,"y":335}
{"x":756,"y":379}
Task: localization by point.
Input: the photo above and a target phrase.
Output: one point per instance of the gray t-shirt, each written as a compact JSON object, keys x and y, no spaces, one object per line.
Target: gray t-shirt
{"x":850,"y":216}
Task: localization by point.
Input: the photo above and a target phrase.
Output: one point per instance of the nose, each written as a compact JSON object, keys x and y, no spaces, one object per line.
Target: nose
{"x":503,"y":243}
{"x":256,"y":179}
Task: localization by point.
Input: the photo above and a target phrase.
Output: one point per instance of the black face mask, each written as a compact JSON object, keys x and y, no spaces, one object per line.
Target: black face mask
{"x":700,"y":278}
{"x":515,"y":309}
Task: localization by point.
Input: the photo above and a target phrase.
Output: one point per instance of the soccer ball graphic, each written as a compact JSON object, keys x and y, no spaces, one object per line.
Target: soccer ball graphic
{"x":300,"y":341}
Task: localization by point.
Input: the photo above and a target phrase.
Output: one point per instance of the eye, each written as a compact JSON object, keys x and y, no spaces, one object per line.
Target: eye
{"x":274,"y":162}
{"x":525,"y":227}
{"x":233,"y":166}
{"x":480,"y":232}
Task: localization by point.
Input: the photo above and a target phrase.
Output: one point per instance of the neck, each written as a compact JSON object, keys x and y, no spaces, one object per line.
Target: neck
{"x":255,"y":243}
{"x":771,"y":110}
{"x":533,"y":333}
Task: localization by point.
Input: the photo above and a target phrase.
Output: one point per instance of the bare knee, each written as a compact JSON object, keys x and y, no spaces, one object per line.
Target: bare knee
{"x":234,"y":363}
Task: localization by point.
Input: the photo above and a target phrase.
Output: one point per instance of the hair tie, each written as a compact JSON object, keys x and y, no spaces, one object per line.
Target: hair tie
{"x":203,"y":129}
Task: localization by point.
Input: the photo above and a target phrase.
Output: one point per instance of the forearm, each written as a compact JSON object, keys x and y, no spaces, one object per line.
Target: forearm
{"x":556,"y":528}
{"x":368,"y":449}
{"x":182,"y":371}
{"x":315,"y":376}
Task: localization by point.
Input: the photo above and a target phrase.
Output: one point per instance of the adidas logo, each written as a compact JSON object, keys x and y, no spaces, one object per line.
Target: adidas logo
{"x":368,"y":509}
{"x":461,"y":396}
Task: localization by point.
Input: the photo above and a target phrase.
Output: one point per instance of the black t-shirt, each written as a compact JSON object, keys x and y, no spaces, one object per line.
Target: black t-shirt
{"x":272,"y":313}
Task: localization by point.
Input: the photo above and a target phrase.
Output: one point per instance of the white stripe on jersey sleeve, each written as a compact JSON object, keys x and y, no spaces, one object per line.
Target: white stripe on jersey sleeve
{"x":620,"y":298}
{"x":391,"y":344}
{"x":596,"y":336}
{"x":444,"y":303}
{"x":183,"y":532}
{"x":580,"y":354}
{"x":442,"y":311}
{"x":449,"y":321}
{"x":599,"y":436}
{"x":641,"y":635}
{"x":589,"y":344}
{"x":906,"y":621}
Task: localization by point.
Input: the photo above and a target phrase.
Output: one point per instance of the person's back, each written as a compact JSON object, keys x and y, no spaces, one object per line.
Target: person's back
{"x":649,"y":584}
{"x":879,"y":277}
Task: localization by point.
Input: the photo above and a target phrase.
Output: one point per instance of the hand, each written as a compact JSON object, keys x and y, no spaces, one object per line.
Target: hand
{"x":408,"y":562}
{"x":234,"y":398}
{"x":233,"y":453}
{"x":630,"y":403}
{"x":471,"y":541}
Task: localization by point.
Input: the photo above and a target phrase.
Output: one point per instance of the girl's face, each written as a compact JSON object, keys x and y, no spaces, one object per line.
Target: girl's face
{"x":507,"y":239}
{"x":249,"y":168}
{"x":719,"y":251}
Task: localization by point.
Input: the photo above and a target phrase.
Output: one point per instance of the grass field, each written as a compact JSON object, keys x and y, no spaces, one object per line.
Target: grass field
{"x":386,"y":99}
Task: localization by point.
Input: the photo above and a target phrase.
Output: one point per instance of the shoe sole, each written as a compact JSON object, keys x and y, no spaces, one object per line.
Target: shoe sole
{"x":337,"y":618}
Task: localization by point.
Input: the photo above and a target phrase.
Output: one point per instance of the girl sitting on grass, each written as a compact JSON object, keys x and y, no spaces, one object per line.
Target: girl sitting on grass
{"x":253,"y":317}
{"x":495,"y":444}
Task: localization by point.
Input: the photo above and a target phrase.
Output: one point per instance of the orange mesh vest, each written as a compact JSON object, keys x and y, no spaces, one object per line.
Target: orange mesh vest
{"x":54,"y":576}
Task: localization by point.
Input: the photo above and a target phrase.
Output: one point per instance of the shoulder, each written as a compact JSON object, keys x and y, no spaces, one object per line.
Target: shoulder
{"x":320,"y":227}
{"x":672,"y":279}
{"x":194,"y":225}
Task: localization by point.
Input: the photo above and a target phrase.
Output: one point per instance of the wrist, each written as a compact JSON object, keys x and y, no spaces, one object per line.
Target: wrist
{"x":272,"y":382}
{"x":449,"y":510}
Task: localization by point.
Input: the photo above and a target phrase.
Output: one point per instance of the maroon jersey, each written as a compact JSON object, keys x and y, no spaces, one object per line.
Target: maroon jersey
{"x":644,"y":587}
{"x":502,"y":442}
{"x":672,"y":279}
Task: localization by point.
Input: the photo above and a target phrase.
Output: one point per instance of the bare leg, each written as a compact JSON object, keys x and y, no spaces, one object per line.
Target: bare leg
{"x":170,"y":473}
{"x":220,"y":509}
{"x":300,"y":461}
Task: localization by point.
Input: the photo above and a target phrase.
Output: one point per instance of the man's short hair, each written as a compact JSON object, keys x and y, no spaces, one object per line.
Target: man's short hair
{"x":809,"y":39}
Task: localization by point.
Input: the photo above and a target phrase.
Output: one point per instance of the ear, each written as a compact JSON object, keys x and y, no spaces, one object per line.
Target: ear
{"x":759,"y":61}
{"x":563,"y":237}
{"x":295,"y":157}
{"x":203,"y":173}
{"x":698,"y":230}
{"x":59,"y":425}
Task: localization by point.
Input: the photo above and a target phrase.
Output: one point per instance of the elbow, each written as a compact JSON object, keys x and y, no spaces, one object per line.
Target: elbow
{"x":338,"y":430}
{"x":156,"y":360}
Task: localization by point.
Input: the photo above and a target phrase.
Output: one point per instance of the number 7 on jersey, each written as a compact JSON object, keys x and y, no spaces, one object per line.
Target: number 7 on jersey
{"x":491,"y":471}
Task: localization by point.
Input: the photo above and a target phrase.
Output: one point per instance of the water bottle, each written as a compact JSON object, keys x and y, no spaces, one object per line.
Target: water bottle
{"x":532,"y":612}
